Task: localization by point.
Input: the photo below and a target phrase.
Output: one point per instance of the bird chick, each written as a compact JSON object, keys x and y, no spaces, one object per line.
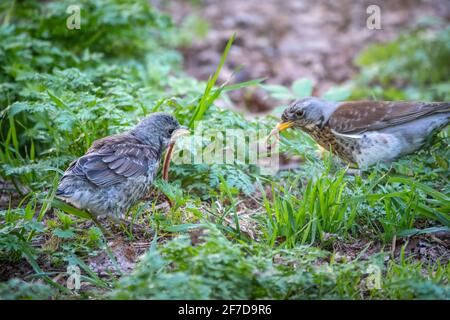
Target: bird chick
{"x":118,"y":170}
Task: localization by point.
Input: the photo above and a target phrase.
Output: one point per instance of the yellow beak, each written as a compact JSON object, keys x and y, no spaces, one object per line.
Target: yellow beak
{"x":284,"y":125}
{"x":280,"y":127}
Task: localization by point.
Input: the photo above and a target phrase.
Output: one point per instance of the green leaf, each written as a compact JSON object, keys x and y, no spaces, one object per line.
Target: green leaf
{"x":278,"y":111}
{"x":64,"y":234}
{"x":430,"y":191}
{"x":184,"y":227}
{"x":278,"y":92}
{"x":209,"y":94}
{"x":58,"y":101}
{"x":18,"y":107}
{"x":302,"y":87}
{"x":69,"y":209}
{"x":415,"y":231}
{"x":241,"y":85}
{"x":337,"y":93}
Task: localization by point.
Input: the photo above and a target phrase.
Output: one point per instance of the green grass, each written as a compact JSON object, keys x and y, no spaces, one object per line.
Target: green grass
{"x":313,"y":232}
{"x":181,"y":270}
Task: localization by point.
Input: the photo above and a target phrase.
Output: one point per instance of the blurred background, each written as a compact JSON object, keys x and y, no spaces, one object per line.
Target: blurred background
{"x":283,"y":41}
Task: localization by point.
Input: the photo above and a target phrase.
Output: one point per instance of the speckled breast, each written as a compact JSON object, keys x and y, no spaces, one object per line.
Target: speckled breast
{"x":328,"y":140}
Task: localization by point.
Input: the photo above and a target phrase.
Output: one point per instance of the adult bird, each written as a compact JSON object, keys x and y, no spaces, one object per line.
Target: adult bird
{"x":367,"y":132}
{"x":118,"y":170}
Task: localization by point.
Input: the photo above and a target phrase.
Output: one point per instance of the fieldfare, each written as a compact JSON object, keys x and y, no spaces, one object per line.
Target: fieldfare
{"x":367,"y":132}
{"x":118,"y":171}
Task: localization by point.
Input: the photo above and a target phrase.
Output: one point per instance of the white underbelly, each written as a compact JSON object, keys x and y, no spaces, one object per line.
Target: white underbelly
{"x":377,"y":147}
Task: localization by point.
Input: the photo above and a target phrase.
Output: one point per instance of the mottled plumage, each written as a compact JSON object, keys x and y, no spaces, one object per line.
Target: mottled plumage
{"x":118,"y":171}
{"x":367,"y":132}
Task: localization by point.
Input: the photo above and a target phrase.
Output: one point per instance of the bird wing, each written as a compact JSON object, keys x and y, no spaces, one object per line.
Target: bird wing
{"x":114,"y":159}
{"x":360,"y":116}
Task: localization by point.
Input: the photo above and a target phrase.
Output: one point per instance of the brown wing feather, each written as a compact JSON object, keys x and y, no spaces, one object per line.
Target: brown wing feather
{"x":114,"y":159}
{"x":114,"y":140}
{"x":361,"y":116}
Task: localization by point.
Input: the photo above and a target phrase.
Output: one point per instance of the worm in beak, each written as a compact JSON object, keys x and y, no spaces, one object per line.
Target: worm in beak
{"x":276,"y":131}
{"x":182,"y":131}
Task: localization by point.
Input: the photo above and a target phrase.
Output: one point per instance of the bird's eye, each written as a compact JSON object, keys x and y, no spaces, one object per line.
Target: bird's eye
{"x":299,"y":113}
{"x":171,"y":130}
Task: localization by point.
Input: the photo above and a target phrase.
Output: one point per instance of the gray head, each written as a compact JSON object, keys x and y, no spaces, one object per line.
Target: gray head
{"x":157,"y":129}
{"x":308,"y":112}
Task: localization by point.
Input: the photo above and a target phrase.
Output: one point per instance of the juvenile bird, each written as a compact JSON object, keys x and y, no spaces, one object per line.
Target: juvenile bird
{"x":118,"y":170}
{"x":367,"y":132}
